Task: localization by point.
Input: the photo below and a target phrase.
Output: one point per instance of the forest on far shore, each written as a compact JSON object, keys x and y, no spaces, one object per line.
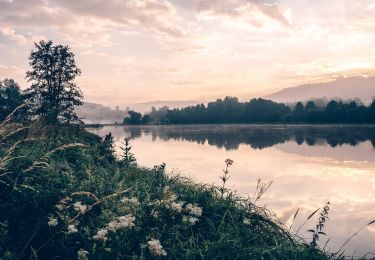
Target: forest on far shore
{"x":231,"y":111}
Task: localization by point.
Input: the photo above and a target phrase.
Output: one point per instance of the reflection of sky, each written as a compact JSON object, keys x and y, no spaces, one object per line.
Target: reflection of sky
{"x":303,"y":177}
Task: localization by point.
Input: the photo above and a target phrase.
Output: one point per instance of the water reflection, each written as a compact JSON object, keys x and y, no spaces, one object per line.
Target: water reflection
{"x":308,"y":165}
{"x":257,"y":136}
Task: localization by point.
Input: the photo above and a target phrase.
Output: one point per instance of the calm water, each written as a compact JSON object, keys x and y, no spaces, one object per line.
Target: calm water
{"x":309,"y":165}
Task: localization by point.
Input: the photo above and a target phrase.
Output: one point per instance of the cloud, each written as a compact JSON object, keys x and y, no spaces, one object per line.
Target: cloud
{"x":247,"y":10}
{"x":91,"y":18}
{"x":186,"y":82}
{"x":157,"y":15}
{"x":10,"y":71}
{"x":11,"y":35}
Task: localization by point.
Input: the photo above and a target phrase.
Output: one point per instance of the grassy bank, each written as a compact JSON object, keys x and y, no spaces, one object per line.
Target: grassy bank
{"x":63,"y":195}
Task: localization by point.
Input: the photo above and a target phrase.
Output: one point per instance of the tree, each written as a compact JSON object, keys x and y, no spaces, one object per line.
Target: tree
{"x":310,"y":105}
{"x":299,"y":111}
{"x":133,"y":119}
{"x":106,"y":148}
{"x":371,"y":111}
{"x":128,"y":159}
{"x":146,"y":119}
{"x":10,"y":97}
{"x":53,"y":94}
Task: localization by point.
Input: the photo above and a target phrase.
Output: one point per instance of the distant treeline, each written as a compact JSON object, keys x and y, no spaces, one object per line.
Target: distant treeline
{"x":230,"y":111}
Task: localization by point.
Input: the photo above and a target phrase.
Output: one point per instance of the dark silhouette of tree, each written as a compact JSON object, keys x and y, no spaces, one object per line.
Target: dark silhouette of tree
{"x":230,"y":110}
{"x":10,"y":97}
{"x":133,"y":119}
{"x":106,"y":148}
{"x":146,"y":119}
{"x":53,"y":94}
{"x":298,"y":111}
{"x":372,"y":110}
{"x":310,"y":105}
{"x":158,"y":116}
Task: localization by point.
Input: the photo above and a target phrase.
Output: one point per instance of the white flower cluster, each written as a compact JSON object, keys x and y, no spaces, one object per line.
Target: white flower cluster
{"x":168,"y":196}
{"x":72,"y":229}
{"x":194,"y":210}
{"x":130,"y":201}
{"x":126,"y":222}
{"x":82,"y":254}
{"x":156,"y":249}
{"x":190,"y":220}
{"x":123,"y":222}
{"x":79,"y":207}
{"x":101,"y":235}
{"x":169,"y":202}
{"x":155,"y":214}
{"x":176,"y":206}
{"x":63,"y":204}
{"x":52,"y":222}
{"x":247,"y":221}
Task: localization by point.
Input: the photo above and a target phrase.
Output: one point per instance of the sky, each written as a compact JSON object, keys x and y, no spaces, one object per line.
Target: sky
{"x":133,"y":51}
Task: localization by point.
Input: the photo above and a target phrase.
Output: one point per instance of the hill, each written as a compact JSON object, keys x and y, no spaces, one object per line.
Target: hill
{"x":342,"y":88}
{"x":96,"y":113}
{"x":146,"y":107}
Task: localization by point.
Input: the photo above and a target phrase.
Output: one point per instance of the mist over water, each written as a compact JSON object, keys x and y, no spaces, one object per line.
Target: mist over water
{"x":309,"y":165}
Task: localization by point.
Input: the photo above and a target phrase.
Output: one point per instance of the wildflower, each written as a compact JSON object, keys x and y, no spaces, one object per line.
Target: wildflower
{"x":112,"y":226}
{"x":101,"y":235}
{"x":172,"y":197}
{"x":156,"y":249}
{"x":166,"y":189}
{"x":131,"y":201}
{"x":126,"y":222}
{"x":247,"y":221}
{"x":72,"y":229}
{"x":168,"y":195}
{"x":52,"y":222}
{"x":82,"y":254}
{"x":155,"y":203}
{"x":79,"y":207}
{"x":229,"y":162}
{"x":155,"y":214}
{"x":190,"y":220}
{"x":62,"y":205}
{"x":194,"y":210}
{"x":176,"y":206}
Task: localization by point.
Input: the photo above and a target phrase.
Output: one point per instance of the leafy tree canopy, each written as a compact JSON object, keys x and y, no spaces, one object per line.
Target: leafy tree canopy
{"x":10,"y":97}
{"x":53,"y":94}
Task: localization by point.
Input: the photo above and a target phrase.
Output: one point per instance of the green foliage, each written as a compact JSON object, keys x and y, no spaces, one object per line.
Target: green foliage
{"x":230,"y":110}
{"x":320,"y":226}
{"x":10,"y":97}
{"x":146,"y":119}
{"x":53,"y":94}
{"x":134,"y":118}
{"x":106,"y":148}
{"x":127,"y":157}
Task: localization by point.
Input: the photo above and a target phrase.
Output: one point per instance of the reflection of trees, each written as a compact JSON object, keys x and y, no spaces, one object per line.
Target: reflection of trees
{"x":133,"y":132}
{"x":258,"y":136}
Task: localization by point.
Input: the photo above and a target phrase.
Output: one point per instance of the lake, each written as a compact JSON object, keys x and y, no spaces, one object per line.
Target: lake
{"x":308,"y":165}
